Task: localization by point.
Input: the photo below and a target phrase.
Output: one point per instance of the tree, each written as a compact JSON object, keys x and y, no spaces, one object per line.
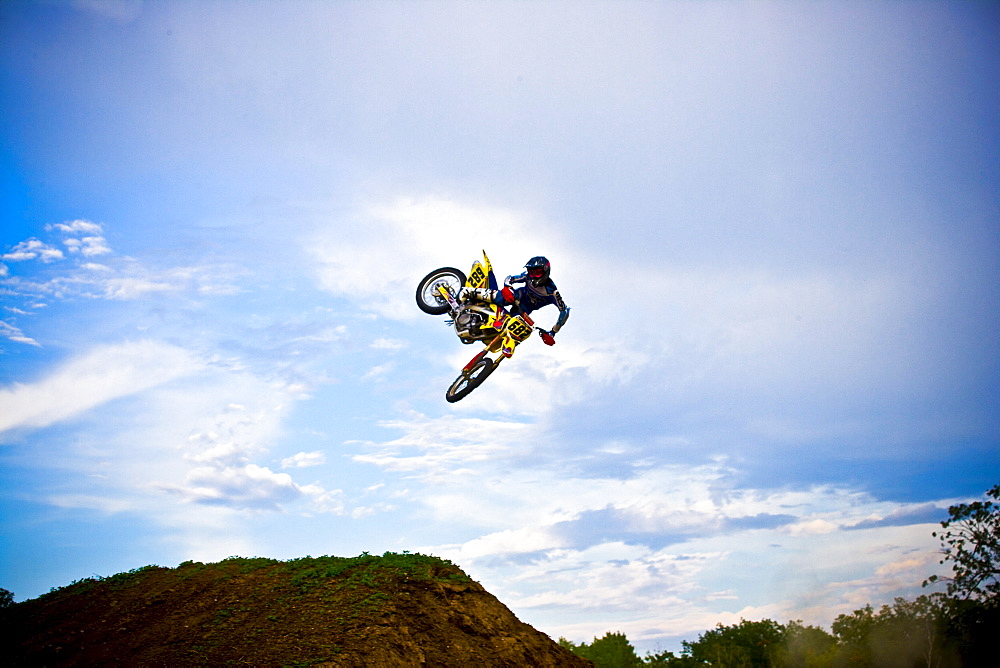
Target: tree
{"x":6,"y":598}
{"x":854,"y":634}
{"x":806,"y":647}
{"x":749,"y":644}
{"x":572,"y":646}
{"x":903,"y":635}
{"x":971,"y":542}
{"x":970,"y":629}
{"x":612,"y":651}
{"x":668,"y":659}
{"x":911,"y":633}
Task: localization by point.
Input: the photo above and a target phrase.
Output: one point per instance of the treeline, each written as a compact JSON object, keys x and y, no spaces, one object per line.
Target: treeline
{"x":929,"y":631}
{"x":959,"y":628}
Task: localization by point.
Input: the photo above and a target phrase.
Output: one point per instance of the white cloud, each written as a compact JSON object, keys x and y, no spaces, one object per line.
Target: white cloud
{"x":378,"y":255}
{"x":383,"y":343}
{"x":221,"y":447}
{"x":134,"y":281}
{"x":323,"y":501}
{"x":14,"y":334}
{"x":662,"y":551}
{"x":188,"y":456}
{"x":303,"y":460}
{"x":88,"y":246}
{"x":653,"y":593}
{"x":129,"y":288}
{"x":379,"y":371}
{"x":578,"y":368}
{"x":249,"y":486}
{"x":94,"y":266}
{"x":116,"y":278}
{"x":74,"y":226}
{"x":685,"y":333}
{"x":688,"y":330}
{"x":101,"y":503}
{"x":32,"y":249}
{"x":812,"y":526}
{"x":435,"y":447}
{"x":101,"y":375}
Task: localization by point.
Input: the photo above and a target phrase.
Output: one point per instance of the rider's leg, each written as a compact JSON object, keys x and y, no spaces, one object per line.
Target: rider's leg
{"x":478,"y":294}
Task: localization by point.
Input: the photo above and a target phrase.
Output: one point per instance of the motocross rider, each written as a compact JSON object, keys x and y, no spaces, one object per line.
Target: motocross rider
{"x":538,"y":290}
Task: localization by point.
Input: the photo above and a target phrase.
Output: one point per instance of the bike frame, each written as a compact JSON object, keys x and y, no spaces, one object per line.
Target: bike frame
{"x":511,"y":329}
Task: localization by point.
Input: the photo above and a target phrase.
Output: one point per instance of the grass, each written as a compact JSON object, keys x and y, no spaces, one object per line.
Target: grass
{"x":365,"y":571}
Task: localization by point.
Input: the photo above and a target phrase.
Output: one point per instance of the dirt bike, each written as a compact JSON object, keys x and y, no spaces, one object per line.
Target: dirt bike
{"x":491,"y":324}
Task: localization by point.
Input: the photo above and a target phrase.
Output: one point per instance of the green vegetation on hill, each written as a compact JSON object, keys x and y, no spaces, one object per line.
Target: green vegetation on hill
{"x":305,"y":572}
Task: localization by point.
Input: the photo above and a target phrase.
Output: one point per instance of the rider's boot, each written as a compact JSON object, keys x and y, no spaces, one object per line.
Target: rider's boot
{"x":478,"y":294}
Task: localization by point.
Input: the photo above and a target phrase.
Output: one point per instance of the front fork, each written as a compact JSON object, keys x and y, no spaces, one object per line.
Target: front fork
{"x":452,"y":302}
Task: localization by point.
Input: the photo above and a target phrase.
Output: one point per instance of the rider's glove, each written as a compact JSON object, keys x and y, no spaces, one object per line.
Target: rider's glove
{"x":508,"y":295}
{"x":547,"y":337}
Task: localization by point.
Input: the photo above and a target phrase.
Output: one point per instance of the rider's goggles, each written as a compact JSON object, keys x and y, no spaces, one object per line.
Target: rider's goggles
{"x":536,"y":272}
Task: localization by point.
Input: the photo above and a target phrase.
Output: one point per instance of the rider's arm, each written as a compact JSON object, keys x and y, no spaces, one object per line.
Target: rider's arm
{"x":518,"y":278}
{"x":563,"y":312}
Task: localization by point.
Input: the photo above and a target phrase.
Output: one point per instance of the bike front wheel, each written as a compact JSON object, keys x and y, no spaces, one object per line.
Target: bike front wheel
{"x":469,"y":380}
{"x":429,"y":298}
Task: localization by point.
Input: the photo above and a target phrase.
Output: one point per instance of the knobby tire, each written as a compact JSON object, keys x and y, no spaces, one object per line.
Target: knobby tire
{"x":469,"y":380}
{"x":431,"y":303}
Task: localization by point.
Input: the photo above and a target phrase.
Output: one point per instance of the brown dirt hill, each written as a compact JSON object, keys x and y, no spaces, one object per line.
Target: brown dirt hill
{"x":393,"y":611}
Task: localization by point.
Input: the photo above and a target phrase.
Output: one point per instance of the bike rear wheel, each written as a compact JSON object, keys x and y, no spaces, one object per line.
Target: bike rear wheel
{"x":469,"y":380}
{"x":429,"y":299}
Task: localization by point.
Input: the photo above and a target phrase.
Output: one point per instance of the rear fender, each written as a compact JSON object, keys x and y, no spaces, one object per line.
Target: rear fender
{"x":475,"y":360}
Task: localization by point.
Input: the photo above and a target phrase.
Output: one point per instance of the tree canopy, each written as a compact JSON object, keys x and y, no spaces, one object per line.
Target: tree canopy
{"x":971,"y":542}
{"x":612,"y":651}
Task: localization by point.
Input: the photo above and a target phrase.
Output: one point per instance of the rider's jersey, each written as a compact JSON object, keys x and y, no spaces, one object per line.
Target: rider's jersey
{"x":532,"y":298}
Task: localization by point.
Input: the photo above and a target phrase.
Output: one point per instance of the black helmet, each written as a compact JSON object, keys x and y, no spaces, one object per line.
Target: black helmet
{"x":538,"y":270}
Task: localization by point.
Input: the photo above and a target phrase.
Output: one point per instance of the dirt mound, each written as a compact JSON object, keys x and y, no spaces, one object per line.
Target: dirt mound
{"x":395,"y":610}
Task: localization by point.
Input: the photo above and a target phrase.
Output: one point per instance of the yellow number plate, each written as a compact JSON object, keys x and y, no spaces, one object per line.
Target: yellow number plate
{"x":517,"y":329}
{"x":478,"y":277}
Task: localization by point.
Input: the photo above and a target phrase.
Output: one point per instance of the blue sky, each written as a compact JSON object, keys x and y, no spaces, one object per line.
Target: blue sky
{"x":777,"y":225}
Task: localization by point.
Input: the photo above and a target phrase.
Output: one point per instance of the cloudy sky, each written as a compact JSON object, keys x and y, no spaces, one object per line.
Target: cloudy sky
{"x":777,"y":225}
